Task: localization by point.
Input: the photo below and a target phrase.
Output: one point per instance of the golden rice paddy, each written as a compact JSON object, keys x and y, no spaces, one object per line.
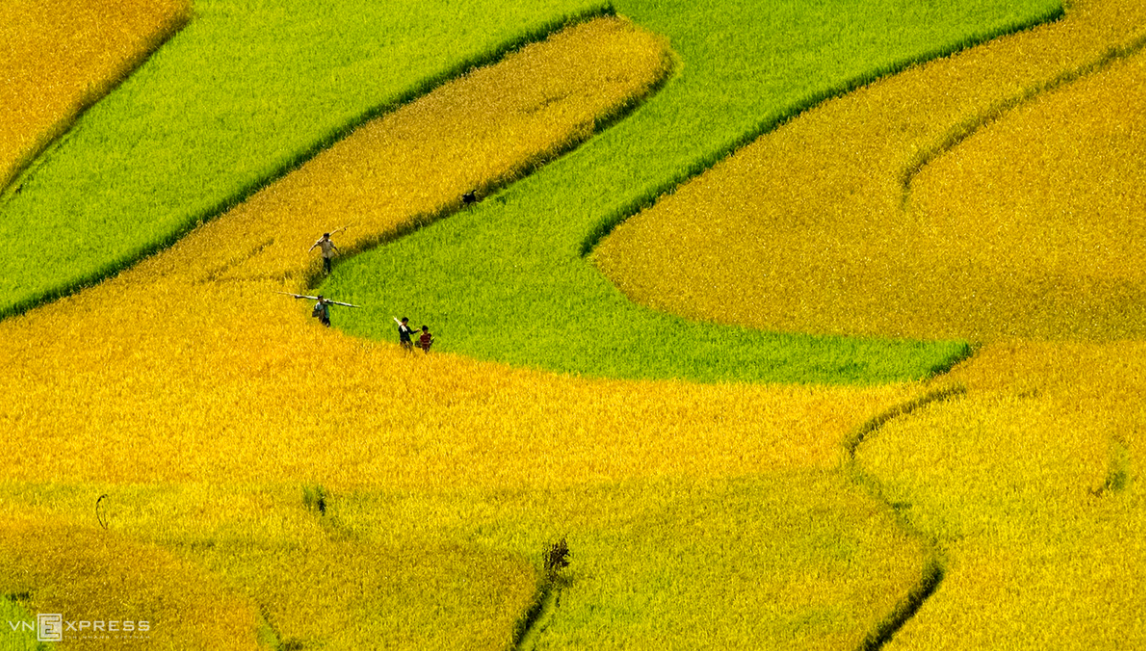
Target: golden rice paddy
{"x":1032,"y":483}
{"x":191,"y":370}
{"x":811,"y":229}
{"x":242,"y":365}
{"x":215,"y":413}
{"x":60,"y":57}
{"x":994,"y":195}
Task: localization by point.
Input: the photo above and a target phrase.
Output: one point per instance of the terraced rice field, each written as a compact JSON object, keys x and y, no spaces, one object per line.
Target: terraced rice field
{"x":60,"y":57}
{"x":506,"y":282}
{"x":187,"y":448}
{"x":272,"y":84}
{"x":828,"y":225}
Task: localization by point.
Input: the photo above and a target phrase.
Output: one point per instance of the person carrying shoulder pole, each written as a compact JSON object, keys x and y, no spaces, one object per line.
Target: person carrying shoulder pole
{"x":328,"y":249}
{"x":321,"y":309}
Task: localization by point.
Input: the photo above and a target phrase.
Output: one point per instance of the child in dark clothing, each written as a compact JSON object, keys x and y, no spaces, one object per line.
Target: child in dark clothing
{"x":404,"y":333}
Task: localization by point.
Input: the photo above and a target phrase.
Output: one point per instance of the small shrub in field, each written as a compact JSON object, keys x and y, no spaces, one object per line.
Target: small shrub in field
{"x":556,"y":558}
{"x":315,"y":498}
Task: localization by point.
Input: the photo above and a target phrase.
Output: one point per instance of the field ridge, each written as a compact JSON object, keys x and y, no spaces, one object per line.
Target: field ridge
{"x":705,"y":162}
{"x":935,"y":565}
{"x":964,"y":130}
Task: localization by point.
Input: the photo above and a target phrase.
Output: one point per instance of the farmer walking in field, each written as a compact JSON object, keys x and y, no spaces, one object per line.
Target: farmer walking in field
{"x":321,"y":309}
{"x":328,"y":249}
{"x":426,"y":340}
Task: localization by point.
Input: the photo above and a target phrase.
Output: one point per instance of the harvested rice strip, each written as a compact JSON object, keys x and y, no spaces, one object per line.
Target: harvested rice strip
{"x":805,"y":230}
{"x":61,"y":56}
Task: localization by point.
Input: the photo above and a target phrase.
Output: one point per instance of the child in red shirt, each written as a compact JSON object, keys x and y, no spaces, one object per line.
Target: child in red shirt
{"x":425,"y":340}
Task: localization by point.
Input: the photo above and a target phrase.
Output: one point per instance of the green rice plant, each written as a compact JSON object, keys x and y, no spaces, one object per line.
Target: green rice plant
{"x":506,"y":280}
{"x":244,"y":93}
{"x":20,"y":632}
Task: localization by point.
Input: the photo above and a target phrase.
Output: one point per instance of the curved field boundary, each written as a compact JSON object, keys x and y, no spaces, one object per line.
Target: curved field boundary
{"x":799,"y":559}
{"x":238,"y":98}
{"x":506,"y":281}
{"x":192,"y":355}
{"x":795,"y":109}
{"x":935,"y":566}
{"x":1005,"y":480}
{"x":61,"y":57}
{"x":805,"y":229}
{"x":969,"y":127}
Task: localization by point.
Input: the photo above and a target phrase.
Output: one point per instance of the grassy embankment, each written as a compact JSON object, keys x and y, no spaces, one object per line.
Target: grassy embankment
{"x":506,"y":280}
{"x":204,"y":375}
{"x":60,"y":57}
{"x":241,"y":95}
